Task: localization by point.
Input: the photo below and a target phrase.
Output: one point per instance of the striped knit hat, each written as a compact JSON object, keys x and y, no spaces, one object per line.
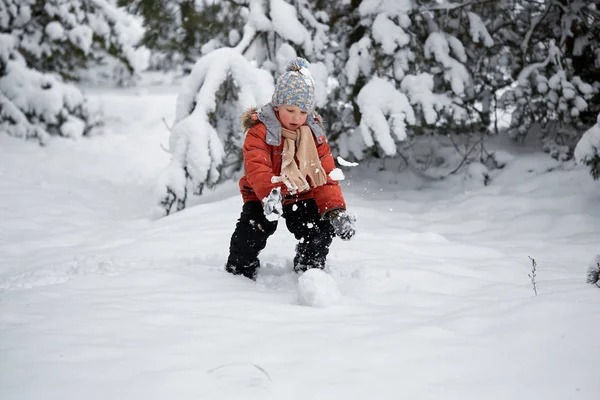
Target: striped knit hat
{"x":296,"y":86}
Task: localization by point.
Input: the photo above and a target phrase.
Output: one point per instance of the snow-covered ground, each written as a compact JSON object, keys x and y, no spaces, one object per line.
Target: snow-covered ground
{"x":99,"y":301}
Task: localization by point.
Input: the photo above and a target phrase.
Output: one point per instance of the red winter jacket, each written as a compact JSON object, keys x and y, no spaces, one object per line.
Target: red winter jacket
{"x":262,"y":161}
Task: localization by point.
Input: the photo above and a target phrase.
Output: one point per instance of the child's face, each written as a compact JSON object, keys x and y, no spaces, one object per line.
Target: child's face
{"x":291,"y":117}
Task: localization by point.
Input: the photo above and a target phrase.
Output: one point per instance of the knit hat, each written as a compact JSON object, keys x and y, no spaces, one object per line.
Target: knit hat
{"x":296,"y":86}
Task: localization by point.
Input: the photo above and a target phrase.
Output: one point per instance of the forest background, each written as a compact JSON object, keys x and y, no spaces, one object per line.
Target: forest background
{"x":402,"y":84}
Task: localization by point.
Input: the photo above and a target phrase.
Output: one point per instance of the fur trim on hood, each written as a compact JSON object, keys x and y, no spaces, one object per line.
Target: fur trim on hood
{"x":250,"y":118}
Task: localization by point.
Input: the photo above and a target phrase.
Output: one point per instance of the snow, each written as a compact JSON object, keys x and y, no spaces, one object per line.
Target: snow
{"x":392,"y":7}
{"x":258,"y":19}
{"x":419,"y":89}
{"x":317,"y":288}
{"x":345,"y":163}
{"x":194,"y":143}
{"x":337,"y":174}
{"x":478,"y":30}
{"x":99,"y":301}
{"x":320,"y":77}
{"x":438,"y":46}
{"x":285,"y":22}
{"x":390,"y":35}
{"x":588,"y":146}
{"x":73,"y":127}
{"x":209,"y":72}
{"x":360,"y":60}
{"x":377,"y":101}
{"x":81,"y":36}
{"x":55,"y":30}
{"x":45,"y":97}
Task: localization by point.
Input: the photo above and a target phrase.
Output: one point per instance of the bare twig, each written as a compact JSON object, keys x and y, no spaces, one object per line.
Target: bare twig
{"x":258,"y":367}
{"x":533,"y":275}
{"x":466,"y":157}
{"x":534,"y":25}
{"x":166,"y":125}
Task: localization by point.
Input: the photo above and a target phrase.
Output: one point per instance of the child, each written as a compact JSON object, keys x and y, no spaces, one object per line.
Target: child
{"x":287,"y":164}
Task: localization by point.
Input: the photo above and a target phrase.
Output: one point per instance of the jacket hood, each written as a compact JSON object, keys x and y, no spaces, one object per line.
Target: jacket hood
{"x":266,"y":115}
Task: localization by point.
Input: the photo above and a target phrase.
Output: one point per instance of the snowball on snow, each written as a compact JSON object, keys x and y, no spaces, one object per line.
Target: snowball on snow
{"x":317,"y":288}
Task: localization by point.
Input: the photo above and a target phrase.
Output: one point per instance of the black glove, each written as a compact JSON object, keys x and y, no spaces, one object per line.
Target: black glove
{"x":273,"y":204}
{"x":342,"y":222}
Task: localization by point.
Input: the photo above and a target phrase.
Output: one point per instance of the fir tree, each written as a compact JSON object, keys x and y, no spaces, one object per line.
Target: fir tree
{"x":44,"y":45}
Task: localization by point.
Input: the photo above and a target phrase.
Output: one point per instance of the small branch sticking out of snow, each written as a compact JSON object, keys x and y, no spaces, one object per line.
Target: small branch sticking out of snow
{"x":532,"y":275}
{"x":170,"y":131}
{"x":593,"y":273}
{"x":345,"y":163}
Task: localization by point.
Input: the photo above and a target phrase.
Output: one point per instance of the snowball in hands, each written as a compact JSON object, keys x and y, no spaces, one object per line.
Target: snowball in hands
{"x":272,"y":205}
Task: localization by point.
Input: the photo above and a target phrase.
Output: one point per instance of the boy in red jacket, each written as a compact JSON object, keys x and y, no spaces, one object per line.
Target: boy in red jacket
{"x":287,"y":162}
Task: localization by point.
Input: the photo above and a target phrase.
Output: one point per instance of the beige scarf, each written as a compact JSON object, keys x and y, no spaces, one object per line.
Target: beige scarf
{"x":301,"y":145}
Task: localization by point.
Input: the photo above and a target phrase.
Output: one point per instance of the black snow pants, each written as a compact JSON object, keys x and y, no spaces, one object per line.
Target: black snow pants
{"x":253,"y":229}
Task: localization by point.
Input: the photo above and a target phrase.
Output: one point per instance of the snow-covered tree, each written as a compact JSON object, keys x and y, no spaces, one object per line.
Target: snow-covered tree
{"x":179,"y":31}
{"x":390,"y":71}
{"x":45,"y":43}
{"x":415,"y":47}
{"x":207,"y":137}
{"x":557,"y":86}
{"x":587,"y":151}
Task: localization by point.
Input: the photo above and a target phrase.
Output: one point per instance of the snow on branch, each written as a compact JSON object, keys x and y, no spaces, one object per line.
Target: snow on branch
{"x":392,"y":7}
{"x":419,"y":89}
{"x":438,"y":46}
{"x":55,"y":106}
{"x":377,"y":100}
{"x":553,"y":56}
{"x":196,"y":145}
{"x":15,"y":122}
{"x":360,"y":60}
{"x":478,"y":30}
{"x":587,"y":150}
{"x":127,"y":29}
{"x":390,"y":35}
{"x":286,"y":24}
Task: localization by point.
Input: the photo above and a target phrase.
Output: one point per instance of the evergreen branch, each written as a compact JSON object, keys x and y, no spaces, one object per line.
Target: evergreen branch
{"x":454,"y":6}
{"x":239,"y":4}
{"x":533,"y":27}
